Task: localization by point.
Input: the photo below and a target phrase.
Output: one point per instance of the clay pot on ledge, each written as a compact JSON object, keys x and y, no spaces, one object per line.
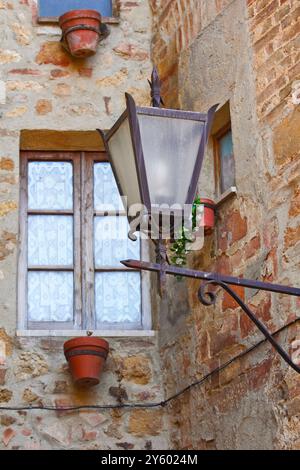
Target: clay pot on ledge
{"x":208,"y":217}
{"x":86,"y":357}
{"x":81,"y":32}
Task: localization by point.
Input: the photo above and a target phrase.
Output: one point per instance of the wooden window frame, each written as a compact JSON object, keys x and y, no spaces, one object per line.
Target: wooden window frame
{"x":105,"y":19}
{"x":84,"y":267}
{"x":217,"y":159}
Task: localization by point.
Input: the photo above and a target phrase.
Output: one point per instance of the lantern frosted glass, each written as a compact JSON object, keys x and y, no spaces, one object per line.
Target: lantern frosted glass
{"x":170,"y":148}
{"x":123,"y":163}
{"x":156,"y":155}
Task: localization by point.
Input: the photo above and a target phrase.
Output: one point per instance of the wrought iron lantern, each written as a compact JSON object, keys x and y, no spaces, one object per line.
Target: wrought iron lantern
{"x":156,"y":155}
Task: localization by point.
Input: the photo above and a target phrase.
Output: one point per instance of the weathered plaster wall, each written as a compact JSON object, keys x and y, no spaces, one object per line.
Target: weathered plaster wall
{"x":42,"y":87}
{"x":254,"y":402}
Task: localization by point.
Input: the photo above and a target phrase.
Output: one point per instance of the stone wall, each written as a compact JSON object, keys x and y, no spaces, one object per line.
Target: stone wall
{"x":34,"y":373}
{"x":246,"y":53}
{"x":42,"y":87}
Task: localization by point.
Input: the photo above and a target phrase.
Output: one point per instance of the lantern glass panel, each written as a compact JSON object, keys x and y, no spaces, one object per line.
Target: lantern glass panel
{"x":170,"y":147}
{"x":123,"y":160}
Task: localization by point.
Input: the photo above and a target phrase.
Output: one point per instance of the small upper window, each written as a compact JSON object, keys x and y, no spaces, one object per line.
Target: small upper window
{"x":52,"y":9}
{"x":226,"y":158}
{"x":224,"y":155}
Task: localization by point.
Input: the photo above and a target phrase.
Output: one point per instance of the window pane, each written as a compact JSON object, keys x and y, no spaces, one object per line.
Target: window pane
{"x":106,"y":193}
{"x":50,"y":8}
{"x":50,"y":240}
{"x":112,"y":243}
{"x":118,"y":297}
{"x":50,"y":185}
{"x":227,"y":162}
{"x":50,"y":296}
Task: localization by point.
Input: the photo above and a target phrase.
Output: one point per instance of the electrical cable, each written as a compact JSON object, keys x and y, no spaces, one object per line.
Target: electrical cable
{"x":150,"y":405}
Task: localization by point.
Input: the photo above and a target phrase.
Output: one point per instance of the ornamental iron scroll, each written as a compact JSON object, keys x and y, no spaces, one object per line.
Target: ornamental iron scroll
{"x":208,"y":298}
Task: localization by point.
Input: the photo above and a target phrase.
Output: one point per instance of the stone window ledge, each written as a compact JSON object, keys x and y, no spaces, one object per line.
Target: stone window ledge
{"x":231,"y":192}
{"x":76,"y":333}
{"x":48,"y":20}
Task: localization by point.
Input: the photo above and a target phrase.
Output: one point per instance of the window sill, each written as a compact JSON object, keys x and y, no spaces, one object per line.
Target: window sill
{"x":76,"y":333}
{"x":226,"y":195}
{"x":54,"y":20}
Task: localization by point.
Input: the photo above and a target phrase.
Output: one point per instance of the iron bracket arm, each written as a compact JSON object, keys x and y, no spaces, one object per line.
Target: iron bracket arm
{"x":209,"y":298}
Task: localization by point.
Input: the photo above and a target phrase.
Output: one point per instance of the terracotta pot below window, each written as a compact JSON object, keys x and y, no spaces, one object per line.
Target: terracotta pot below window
{"x":81,"y":31}
{"x":208,"y":218}
{"x":86,"y":357}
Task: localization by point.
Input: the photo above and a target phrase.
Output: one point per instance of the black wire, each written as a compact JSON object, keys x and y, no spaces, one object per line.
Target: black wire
{"x":151,"y":405}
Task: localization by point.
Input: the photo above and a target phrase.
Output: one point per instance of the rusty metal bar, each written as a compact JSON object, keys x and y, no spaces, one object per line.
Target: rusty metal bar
{"x":210,"y":276}
{"x":209,"y":298}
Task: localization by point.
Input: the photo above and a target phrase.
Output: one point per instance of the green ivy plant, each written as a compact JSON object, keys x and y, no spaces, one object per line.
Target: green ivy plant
{"x":179,"y":248}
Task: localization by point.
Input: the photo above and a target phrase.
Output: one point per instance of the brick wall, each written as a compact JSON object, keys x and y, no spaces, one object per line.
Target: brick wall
{"x":176,"y":24}
{"x":274,"y":30}
{"x":253,"y":403}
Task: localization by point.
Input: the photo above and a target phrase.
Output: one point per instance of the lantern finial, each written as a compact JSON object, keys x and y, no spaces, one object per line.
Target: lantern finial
{"x":155,"y":85}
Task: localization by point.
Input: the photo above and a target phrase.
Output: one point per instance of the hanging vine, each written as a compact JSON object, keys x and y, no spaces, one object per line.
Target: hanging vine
{"x":179,"y":247}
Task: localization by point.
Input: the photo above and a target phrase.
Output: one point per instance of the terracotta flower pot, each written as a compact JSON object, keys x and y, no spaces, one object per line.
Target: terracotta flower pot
{"x":86,"y":357}
{"x":81,"y":31}
{"x":208,"y":218}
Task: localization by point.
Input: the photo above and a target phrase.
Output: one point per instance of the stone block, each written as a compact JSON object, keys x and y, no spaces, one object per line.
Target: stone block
{"x":5,"y":395}
{"x":57,"y":433}
{"x":131,"y":51}
{"x":2,"y":376}
{"x":8,"y":435}
{"x":52,"y":53}
{"x":135,"y":369}
{"x":8,"y":56}
{"x":43,"y":107}
{"x":30,"y":365}
{"x":6,"y":164}
{"x":145,"y":423}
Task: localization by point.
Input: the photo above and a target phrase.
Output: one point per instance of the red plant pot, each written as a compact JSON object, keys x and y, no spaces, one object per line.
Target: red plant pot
{"x":81,"y":31}
{"x":208,"y":217}
{"x":86,"y":357}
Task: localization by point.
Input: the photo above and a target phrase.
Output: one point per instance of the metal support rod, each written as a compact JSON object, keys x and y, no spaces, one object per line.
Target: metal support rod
{"x":161,"y":258}
{"x":160,"y":247}
{"x":208,"y":276}
{"x":209,"y":298}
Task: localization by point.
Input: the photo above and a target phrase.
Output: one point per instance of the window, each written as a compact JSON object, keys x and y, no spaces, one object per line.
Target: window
{"x":73,"y":234}
{"x":223,"y":150}
{"x":52,"y":9}
{"x":225,"y":158}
